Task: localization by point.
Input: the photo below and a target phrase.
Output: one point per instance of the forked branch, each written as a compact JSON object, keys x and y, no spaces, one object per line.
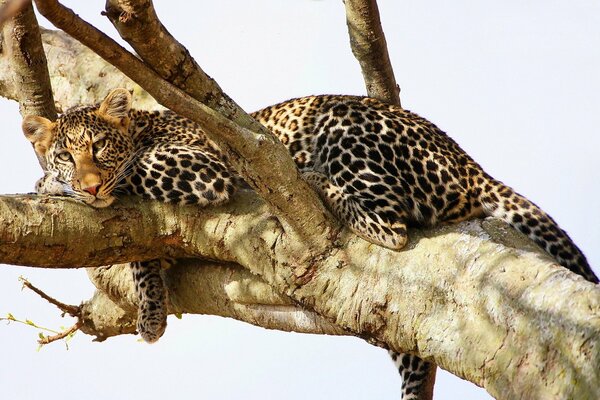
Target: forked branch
{"x":252,"y":154}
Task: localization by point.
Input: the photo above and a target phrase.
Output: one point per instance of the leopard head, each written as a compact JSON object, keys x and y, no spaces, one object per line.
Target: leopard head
{"x":87,"y":151}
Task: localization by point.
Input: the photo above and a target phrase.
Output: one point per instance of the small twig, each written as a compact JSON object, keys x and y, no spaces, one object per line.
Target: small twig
{"x":11,"y":8}
{"x":61,"y":335}
{"x":73,"y":311}
{"x":11,"y":318}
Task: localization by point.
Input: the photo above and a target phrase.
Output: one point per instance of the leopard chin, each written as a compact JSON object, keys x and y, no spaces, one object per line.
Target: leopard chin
{"x":101,"y":202}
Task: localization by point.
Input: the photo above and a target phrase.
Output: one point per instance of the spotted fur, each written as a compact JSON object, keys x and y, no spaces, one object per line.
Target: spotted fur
{"x":381,"y":169}
{"x":378,"y":167}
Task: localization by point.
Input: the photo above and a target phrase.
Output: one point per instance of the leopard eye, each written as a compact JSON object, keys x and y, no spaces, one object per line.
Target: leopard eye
{"x":99,"y":145}
{"x":65,"y":156}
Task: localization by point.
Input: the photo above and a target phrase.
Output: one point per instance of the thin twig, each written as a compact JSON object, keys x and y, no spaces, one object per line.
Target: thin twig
{"x":61,"y":335}
{"x":73,"y":311}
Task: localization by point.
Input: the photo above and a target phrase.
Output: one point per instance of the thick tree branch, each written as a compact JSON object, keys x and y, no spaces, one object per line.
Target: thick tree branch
{"x":25,"y":64}
{"x":462,"y":296}
{"x":22,"y":46}
{"x":370,"y":49}
{"x":198,"y":287}
{"x":252,"y":154}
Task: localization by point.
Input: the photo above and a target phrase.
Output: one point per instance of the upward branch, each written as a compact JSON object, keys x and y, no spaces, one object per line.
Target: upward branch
{"x":370,"y":49}
{"x":137,"y":23}
{"x":30,"y":80}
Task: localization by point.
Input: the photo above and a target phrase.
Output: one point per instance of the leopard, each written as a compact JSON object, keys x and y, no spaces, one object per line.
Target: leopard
{"x":379,"y":168}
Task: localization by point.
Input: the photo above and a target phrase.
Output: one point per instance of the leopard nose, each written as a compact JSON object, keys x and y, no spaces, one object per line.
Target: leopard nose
{"x":93,"y":189}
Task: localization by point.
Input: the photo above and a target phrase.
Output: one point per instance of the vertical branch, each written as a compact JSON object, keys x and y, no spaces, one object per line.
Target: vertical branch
{"x":370,"y":49}
{"x":23,"y":46}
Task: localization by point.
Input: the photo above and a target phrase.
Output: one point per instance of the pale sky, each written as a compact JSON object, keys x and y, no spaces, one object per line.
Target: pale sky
{"x":516,"y":83}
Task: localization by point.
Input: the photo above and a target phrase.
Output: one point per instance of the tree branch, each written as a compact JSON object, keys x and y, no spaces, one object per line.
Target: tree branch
{"x":25,"y":64}
{"x":252,"y":154}
{"x":137,"y":23}
{"x":475,"y":298}
{"x":370,"y":49}
{"x":463,"y":296}
{"x":10,"y":8}
{"x":23,"y":49}
{"x":199,"y":287}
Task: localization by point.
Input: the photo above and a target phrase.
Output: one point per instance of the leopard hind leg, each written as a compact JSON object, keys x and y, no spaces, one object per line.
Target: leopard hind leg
{"x":418,"y":376}
{"x":152,"y":297}
{"x":356,"y":213}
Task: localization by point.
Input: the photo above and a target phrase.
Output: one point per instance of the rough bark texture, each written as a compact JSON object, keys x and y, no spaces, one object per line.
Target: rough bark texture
{"x":22,"y":46}
{"x":8,"y":9}
{"x":25,"y":65}
{"x":251,"y":153}
{"x":476,"y":298}
{"x":198,"y":287}
{"x":370,"y":49}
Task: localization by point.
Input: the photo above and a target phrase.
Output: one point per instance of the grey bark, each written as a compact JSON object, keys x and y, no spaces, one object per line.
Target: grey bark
{"x":26,"y":65}
{"x":137,"y":23}
{"x":368,"y":44}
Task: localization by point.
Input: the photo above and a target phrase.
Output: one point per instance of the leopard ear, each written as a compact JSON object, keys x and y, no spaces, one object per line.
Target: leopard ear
{"x":116,"y":105}
{"x":40,"y":132}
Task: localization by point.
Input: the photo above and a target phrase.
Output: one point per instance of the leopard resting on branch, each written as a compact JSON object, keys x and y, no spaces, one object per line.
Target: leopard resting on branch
{"x":377,"y":167}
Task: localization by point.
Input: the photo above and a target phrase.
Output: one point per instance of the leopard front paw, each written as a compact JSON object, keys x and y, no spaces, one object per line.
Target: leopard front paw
{"x":152,"y":320}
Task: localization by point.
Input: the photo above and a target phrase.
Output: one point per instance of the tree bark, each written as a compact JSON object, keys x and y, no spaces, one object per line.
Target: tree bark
{"x":476,"y":298}
{"x":197,"y":287}
{"x":368,"y":44}
{"x":25,"y":66}
{"x":22,"y":46}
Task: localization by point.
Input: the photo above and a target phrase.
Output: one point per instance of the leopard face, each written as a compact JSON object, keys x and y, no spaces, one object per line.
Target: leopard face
{"x":87,"y":152}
